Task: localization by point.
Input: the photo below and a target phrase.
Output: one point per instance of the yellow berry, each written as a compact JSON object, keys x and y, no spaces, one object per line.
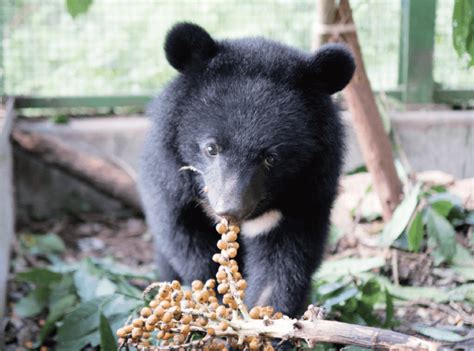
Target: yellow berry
{"x":188,"y":295}
{"x":167,"y":317}
{"x":222,"y":245}
{"x":137,"y":323}
{"x":223,"y":325}
{"x":221,"y":228}
{"x":121,"y":333}
{"x":136,"y":333}
{"x":254,"y":345}
{"x":203,"y":296}
{"x":231,"y":236}
{"x":152,"y":320}
{"x":211,"y":331}
{"x":221,"y":311}
{"x":232,"y":252}
{"x":278,"y":315}
{"x":216,"y":257}
{"x":128,"y":329}
{"x":149,"y":327}
{"x":201,"y":321}
{"x":158,"y":311}
{"x":223,"y":261}
{"x":211,"y":283}
{"x":255,"y":312}
{"x":197,"y":285}
{"x":175,"y":285}
{"x":186,"y":319}
{"x":153,"y":303}
{"x":222,"y":288}
{"x":185,"y":330}
{"x":145,"y":312}
{"x":235,"y":229}
{"x":221,"y":275}
{"x":241,"y":284}
{"x":165,"y":304}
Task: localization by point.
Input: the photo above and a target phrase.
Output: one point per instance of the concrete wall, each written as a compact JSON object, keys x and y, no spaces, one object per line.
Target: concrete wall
{"x":442,"y":140}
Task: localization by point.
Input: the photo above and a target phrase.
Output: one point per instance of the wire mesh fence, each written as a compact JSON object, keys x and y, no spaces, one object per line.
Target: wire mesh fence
{"x":116,"y":47}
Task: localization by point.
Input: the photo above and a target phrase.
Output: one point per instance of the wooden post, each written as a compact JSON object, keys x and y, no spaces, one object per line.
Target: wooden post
{"x":368,"y":125}
{"x":7,"y":218}
{"x":415,"y":70}
{"x":325,"y":15}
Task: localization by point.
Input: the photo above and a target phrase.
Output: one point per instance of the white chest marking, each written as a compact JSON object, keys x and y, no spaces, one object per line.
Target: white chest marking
{"x":262,"y":224}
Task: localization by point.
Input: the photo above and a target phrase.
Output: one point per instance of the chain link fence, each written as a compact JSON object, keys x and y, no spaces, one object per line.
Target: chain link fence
{"x":116,"y":47}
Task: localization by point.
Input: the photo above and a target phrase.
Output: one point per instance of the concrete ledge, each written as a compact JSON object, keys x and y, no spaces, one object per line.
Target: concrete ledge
{"x":442,"y":140}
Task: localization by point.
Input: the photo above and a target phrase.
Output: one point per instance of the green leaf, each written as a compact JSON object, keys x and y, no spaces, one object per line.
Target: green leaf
{"x":389,"y":310}
{"x":371,"y":292}
{"x":107,"y":338}
{"x":341,"y":298}
{"x":438,"y":334}
{"x":57,"y":310}
{"x":39,"y":276}
{"x":329,"y":288}
{"x":463,"y":257}
{"x":443,"y":233}
{"x":415,"y":233}
{"x":443,"y":207}
{"x":33,"y":303}
{"x":83,"y":321}
{"x":46,"y":244}
{"x":401,"y":217}
{"x":77,"y":7}
{"x":333,"y":270}
{"x":463,"y":29}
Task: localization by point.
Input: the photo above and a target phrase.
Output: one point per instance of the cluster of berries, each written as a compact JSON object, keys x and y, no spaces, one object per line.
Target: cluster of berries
{"x":185,"y":319}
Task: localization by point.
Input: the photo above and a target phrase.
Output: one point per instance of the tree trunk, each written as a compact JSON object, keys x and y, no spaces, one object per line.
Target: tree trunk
{"x":368,"y":125}
{"x":96,"y":172}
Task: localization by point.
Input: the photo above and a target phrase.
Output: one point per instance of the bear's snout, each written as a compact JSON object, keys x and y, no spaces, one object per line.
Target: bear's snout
{"x":233,"y":196}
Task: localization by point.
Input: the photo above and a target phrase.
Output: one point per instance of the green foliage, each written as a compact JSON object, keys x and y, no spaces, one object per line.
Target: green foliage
{"x":108,"y":341}
{"x":401,"y":217}
{"x":438,"y":333}
{"x":437,"y":218}
{"x":77,"y":7}
{"x":443,"y":236}
{"x":463,"y":29}
{"x":354,"y":301}
{"x":415,"y":233}
{"x":83,"y":302}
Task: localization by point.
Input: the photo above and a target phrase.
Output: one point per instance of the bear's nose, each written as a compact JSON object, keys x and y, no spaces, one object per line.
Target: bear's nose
{"x":231,"y":213}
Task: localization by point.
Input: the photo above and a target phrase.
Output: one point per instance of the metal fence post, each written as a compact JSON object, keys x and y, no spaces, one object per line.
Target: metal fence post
{"x":415,"y":71}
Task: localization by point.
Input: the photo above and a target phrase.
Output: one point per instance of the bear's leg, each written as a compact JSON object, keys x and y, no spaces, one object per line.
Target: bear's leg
{"x":166,"y":273}
{"x":279,"y":267}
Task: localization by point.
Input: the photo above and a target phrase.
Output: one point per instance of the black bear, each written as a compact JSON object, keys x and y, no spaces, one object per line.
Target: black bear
{"x":246,"y":131}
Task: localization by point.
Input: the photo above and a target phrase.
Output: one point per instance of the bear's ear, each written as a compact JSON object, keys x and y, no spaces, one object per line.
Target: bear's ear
{"x":331,"y":68}
{"x":188,"y":45}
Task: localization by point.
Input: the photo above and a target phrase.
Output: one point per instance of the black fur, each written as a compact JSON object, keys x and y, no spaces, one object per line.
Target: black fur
{"x":253,"y":97}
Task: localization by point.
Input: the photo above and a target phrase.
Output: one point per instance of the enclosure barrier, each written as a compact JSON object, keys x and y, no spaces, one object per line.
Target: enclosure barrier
{"x":31,"y":47}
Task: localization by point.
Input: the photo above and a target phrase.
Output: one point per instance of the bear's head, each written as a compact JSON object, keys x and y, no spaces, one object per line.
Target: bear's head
{"x":255,"y":116}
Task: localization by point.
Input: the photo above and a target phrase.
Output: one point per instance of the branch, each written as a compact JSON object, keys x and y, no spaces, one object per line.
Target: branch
{"x":96,"y":172}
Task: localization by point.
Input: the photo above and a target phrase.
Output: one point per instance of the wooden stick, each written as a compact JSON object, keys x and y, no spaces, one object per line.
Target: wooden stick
{"x":373,"y":140}
{"x":318,"y":331}
{"x":96,"y":172}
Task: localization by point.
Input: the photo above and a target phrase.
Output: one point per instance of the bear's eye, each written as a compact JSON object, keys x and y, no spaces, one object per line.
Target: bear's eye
{"x":212,"y":149}
{"x":270,"y":161}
